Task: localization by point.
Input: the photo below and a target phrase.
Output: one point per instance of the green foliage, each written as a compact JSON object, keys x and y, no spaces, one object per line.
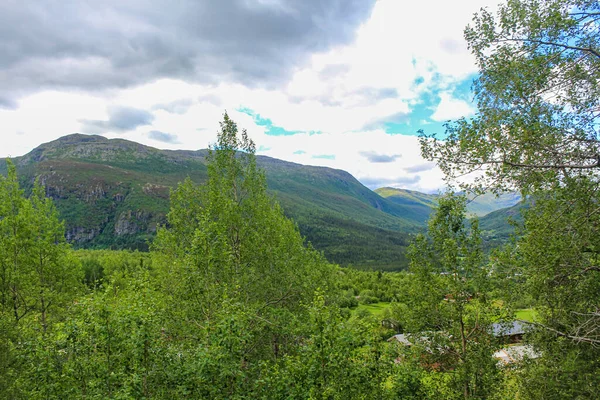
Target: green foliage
{"x":536,"y":131}
{"x":112,"y":266}
{"x":231,"y":258}
{"x":340,"y":359}
{"x":37,"y":270}
{"x":557,"y":261}
{"x":537,"y":97}
{"x":39,"y":276}
{"x":448,"y":312}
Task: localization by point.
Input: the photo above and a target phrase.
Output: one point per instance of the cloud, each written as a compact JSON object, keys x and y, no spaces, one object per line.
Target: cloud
{"x":379,"y":158}
{"x":7,"y":103}
{"x":163,"y":137}
{"x":420,"y":168}
{"x":180,"y":106}
{"x":120,"y":119}
{"x":364,"y":81}
{"x":334,"y":71}
{"x":377,"y":94}
{"x":451,"y":108}
{"x":401,"y":182}
{"x":211,"y":99}
{"x":380,"y":123}
{"x":93,"y":45}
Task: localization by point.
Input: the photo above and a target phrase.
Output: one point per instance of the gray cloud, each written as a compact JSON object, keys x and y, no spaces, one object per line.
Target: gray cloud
{"x":396,"y":118}
{"x":379,"y":158}
{"x":175,"y":107}
{"x":163,"y":137}
{"x":402,"y":181}
{"x":7,"y":103}
{"x":120,"y":119}
{"x":210,"y":98}
{"x":420,"y":168}
{"x":93,"y":45}
{"x":361,"y":97}
{"x":378,"y":93}
{"x":333,"y":71}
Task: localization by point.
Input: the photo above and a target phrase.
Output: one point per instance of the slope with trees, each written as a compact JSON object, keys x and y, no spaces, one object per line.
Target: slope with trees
{"x":113,"y":194}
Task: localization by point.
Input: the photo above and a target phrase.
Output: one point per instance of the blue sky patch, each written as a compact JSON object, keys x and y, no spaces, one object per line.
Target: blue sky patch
{"x":421,"y":112}
{"x":324,"y":156}
{"x":270,"y":129}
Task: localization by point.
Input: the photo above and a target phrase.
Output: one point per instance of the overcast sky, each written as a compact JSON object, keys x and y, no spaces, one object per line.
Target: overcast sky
{"x":339,"y":83}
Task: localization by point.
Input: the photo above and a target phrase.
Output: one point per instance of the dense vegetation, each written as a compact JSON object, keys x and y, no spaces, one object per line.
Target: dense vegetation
{"x":230,"y":303}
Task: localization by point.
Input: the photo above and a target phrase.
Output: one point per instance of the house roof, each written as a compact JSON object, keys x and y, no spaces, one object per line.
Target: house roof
{"x":400,"y":338}
{"x":512,"y":354}
{"x":508,"y":329}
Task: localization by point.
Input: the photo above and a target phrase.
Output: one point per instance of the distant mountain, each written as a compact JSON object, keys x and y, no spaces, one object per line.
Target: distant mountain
{"x":495,"y":226}
{"x":484,"y":204}
{"x":421,"y":204}
{"x":418,"y":205}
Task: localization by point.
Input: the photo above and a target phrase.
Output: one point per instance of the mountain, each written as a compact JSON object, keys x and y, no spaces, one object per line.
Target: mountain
{"x":495,"y":226}
{"x":487,"y":203}
{"x":113,"y":193}
{"x":420,"y":205}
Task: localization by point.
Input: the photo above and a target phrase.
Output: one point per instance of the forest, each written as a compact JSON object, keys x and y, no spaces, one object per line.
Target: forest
{"x":231,"y":302}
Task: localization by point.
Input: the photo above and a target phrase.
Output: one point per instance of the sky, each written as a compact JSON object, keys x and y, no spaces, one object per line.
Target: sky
{"x":339,"y":83}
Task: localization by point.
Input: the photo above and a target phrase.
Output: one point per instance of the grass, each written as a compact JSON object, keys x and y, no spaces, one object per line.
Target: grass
{"x":526,"y":314}
{"x":376,"y":309}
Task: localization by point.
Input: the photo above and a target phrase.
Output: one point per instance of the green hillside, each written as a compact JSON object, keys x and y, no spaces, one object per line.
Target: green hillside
{"x":420,"y":205}
{"x":495,"y":226}
{"x":114,"y":193}
{"x":486,"y":203}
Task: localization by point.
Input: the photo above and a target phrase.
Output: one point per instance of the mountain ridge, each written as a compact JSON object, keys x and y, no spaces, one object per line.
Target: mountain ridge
{"x":114,"y":193}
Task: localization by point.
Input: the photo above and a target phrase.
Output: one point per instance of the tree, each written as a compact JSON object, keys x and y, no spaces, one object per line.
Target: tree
{"x":538,"y":98}
{"x":37,"y":269}
{"x":537,"y":131}
{"x":39,"y":276}
{"x":449,"y":312}
{"x":235,"y":267}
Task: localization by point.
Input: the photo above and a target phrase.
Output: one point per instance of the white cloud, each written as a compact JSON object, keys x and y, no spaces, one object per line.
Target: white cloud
{"x":451,"y":108}
{"x":337,"y":93}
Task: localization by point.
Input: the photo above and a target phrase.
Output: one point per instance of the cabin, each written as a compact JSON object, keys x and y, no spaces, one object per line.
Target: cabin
{"x":514,"y":354}
{"x":513,"y":332}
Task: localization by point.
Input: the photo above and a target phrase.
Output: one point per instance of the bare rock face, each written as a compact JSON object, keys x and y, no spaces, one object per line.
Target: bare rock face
{"x":133,"y":222}
{"x":156,"y":190}
{"x":119,"y":197}
{"x":94,"y":192}
{"x":79,"y":234}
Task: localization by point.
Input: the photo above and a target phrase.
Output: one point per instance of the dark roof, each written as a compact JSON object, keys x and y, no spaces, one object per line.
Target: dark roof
{"x":508,"y":329}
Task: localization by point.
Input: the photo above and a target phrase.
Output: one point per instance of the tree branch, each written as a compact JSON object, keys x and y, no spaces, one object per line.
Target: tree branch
{"x":559,"y":333}
{"x":551,"y":166}
{"x":546,"y":43}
